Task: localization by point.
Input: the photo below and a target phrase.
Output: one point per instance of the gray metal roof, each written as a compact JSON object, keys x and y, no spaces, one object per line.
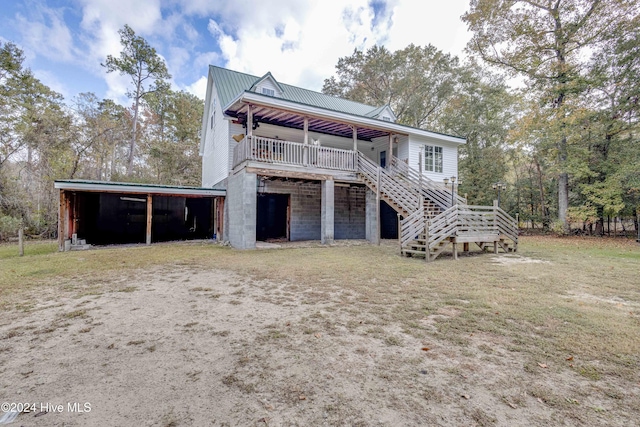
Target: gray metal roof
{"x":132,"y":187}
{"x":231,"y":83}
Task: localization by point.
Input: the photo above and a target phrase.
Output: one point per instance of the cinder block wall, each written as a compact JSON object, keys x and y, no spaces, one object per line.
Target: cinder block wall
{"x":349,"y":219}
{"x":241,"y":206}
{"x":349,"y":214}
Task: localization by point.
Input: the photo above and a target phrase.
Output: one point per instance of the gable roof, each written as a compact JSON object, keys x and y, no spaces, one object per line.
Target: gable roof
{"x":267,"y":76}
{"x":231,"y":83}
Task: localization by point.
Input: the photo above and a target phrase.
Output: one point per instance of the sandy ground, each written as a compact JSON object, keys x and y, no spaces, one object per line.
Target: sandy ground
{"x":179,"y":346}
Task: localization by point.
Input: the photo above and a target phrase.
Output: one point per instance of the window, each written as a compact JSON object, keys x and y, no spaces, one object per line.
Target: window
{"x":432,"y":158}
{"x":386,"y":119}
{"x":269,"y":92}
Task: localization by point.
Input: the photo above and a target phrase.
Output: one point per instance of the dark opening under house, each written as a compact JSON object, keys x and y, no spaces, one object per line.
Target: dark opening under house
{"x":103,"y":213}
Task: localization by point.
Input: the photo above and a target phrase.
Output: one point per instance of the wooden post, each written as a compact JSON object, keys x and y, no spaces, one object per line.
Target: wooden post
{"x":420,"y":199}
{"x":21,"y":240}
{"x":495,"y":225}
{"x":249,"y":120}
{"x":427,"y":252}
{"x":61,"y":216}
{"x":305,"y":149}
{"x":465,"y":247}
{"x":378,"y":209}
{"x":149,"y":217}
{"x":355,"y":138}
{"x":455,"y":250}
{"x":390,"y":155}
{"x":399,"y":235}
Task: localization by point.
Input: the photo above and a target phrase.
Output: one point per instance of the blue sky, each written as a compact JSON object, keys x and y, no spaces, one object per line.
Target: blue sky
{"x":65,"y":41}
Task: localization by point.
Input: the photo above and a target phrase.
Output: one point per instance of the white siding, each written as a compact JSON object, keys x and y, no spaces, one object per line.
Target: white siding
{"x":234,"y":129}
{"x":268,"y":84}
{"x":403,"y":147}
{"x":449,"y":156}
{"x":216,"y":150}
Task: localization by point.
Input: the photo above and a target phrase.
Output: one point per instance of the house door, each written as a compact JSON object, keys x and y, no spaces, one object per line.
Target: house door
{"x":383,"y":159}
{"x":388,"y":221}
{"x":272,"y":217}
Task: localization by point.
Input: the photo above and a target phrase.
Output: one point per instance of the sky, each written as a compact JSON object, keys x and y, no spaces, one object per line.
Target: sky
{"x":300,"y":42}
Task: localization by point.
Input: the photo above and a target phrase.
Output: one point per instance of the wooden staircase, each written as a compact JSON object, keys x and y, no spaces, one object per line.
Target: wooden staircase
{"x":431,"y":216}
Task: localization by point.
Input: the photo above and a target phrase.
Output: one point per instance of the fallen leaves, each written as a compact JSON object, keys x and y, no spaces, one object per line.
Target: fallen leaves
{"x":542,"y":365}
{"x":425,"y":349}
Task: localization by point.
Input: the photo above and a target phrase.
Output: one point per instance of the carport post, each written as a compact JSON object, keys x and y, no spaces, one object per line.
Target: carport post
{"x":61,"y":221}
{"x":149,"y":217}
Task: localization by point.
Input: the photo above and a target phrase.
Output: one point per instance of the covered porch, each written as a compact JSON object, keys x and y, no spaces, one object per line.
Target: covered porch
{"x":291,"y":139}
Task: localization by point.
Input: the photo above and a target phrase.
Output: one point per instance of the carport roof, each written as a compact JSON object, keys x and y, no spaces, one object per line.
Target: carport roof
{"x":135,"y":188}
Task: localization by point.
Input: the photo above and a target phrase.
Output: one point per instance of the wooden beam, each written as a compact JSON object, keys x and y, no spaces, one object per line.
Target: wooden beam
{"x":323,"y":118}
{"x":289,"y":174}
{"x":249,"y":120}
{"x":390,"y":151}
{"x":61,"y":216}
{"x":149,"y":217}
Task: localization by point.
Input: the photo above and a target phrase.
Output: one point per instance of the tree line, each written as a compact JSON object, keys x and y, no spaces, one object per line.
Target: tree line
{"x":44,"y":137}
{"x":548,"y":103}
{"x":547,"y":99}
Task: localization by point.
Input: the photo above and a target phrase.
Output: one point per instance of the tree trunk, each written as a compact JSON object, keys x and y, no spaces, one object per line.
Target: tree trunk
{"x":563,"y":200}
{"x":132,"y":144}
{"x":543,"y":210}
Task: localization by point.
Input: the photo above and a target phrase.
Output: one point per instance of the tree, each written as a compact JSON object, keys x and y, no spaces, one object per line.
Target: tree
{"x":172,"y":122}
{"x":546,"y":41}
{"x":415,"y":81}
{"x":482,"y":111}
{"x":147,"y":70}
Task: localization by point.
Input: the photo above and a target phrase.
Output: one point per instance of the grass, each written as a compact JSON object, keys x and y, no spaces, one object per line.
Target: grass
{"x":580,"y":302}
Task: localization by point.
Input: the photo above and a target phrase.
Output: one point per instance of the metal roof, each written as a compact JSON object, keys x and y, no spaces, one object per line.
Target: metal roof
{"x":231,"y":83}
{"x":132,"y":187}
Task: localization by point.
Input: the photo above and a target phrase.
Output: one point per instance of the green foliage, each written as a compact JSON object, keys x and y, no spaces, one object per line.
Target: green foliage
{"x":8,"y":226}
{"x":147,"y":71}
{"x":548,"y":43}
{"x":415,"y":81}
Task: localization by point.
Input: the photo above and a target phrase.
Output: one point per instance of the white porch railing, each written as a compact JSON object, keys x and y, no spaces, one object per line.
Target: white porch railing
{"x":257,"y":148}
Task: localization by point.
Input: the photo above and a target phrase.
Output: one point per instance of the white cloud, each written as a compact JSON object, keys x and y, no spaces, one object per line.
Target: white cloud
{"x":301,"y":42}
{"x":198,"y":88}
{"x":45,"y":32}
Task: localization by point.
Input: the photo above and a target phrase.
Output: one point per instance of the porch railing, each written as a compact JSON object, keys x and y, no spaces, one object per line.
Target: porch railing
{"x":257,"y":148}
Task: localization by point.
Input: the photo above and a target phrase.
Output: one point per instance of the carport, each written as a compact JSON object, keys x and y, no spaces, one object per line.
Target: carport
{"x":105,"y":213}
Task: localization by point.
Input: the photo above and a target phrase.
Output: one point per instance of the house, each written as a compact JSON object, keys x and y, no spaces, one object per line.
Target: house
{"x":301,"y":165}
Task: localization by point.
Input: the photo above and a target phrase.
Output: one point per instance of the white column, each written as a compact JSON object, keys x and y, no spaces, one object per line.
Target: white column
{"x":327,"y":212}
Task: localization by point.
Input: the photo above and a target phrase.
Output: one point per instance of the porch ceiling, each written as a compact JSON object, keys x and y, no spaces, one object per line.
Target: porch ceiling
{"x":279,"y":117}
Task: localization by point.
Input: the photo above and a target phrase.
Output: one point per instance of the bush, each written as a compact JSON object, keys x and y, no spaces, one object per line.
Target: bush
{"x":8,"y":227}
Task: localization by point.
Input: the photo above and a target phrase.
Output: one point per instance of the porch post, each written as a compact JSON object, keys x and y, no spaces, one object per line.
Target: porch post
{"x":249,"y":120}
{"x":149,"y":217}
{"x":327,"y":212}
{"x":390,"y":153}
{"x":305,"y":149}
{"x":355,"y":138}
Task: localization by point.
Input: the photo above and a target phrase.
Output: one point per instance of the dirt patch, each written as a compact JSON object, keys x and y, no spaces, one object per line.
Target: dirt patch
{"x":317,"y":336}
{"x":229,"y":350}
{"x":516,"y":259}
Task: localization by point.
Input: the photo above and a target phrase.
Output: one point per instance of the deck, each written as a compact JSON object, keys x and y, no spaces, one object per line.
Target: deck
{"x":432,"y":217}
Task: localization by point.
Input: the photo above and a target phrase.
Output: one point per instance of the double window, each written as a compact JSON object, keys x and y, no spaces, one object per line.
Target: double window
{"x":433,"y":158}
{"x":269,"y":92}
